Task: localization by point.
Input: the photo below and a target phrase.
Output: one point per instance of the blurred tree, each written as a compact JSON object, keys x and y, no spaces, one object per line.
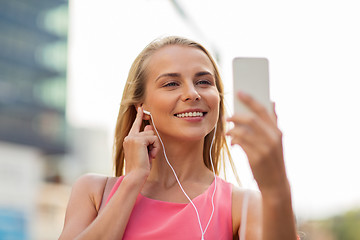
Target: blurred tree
{"x":341,"y":227}
{"x":346,"y":226}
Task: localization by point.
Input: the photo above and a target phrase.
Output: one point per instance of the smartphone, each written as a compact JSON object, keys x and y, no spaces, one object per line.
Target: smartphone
{"x":251,"y":76}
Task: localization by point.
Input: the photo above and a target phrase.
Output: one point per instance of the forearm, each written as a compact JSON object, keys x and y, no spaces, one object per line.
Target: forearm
{"x":112,"y":221}
{"x":278,"y":217}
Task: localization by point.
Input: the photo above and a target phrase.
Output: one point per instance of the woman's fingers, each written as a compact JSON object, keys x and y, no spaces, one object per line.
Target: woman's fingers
{"x":241,"y":135}
{"x":253,"y":138}
{"x":155,"y":147}
{"x":252,"y":130}
{"x":137,"y":123}
{"x":275,"y":116}
{"x":250,"y":122}
{"x":140,"y":147}
{"x":154,"y":143}
{"x":148,"y":128}
{"x":258,"y":135}
{"x":256,"y":107}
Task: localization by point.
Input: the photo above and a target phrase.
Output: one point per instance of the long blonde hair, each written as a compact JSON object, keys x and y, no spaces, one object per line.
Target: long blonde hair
{"x":134,"y":94}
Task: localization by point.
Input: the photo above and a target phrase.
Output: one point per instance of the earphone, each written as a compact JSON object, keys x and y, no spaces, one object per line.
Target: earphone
{"x":146,"y":112}
{"x":182,"y":189}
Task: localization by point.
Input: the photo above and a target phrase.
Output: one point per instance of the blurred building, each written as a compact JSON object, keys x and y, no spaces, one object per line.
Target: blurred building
{"x":33,"y":69}
{"x":33,"y":62}
{"x":40,"y":154}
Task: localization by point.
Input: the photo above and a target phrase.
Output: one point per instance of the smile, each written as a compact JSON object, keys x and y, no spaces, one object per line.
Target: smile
{"x":190,"y":114}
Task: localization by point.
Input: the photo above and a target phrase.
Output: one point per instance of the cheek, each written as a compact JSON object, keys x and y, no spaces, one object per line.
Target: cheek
{"x":160,"y":103}
{"x":213,"y":99}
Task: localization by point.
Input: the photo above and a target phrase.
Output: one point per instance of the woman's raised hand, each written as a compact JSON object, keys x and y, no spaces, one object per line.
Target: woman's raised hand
{"x":260,"y":138}
{"x":140,"y":147}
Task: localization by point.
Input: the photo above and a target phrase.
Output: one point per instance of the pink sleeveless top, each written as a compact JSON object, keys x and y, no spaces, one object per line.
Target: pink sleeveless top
{"x":155,"y":220}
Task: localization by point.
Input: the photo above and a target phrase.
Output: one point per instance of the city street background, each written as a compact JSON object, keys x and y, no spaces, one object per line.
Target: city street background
{"x":87,"y":49}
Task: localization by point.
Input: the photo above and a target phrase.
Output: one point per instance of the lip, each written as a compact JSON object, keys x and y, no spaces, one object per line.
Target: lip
{"x":191,"y":110}
{"x":192,"y":119}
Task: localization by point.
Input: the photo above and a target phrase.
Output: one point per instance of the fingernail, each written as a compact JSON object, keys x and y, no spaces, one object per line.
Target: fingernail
{"x":240,"y":94}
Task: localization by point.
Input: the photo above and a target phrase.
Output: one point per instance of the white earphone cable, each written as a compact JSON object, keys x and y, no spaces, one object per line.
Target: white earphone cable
{"x":182,"y":189}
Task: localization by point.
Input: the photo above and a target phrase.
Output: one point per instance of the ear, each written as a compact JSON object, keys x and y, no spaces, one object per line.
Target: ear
{"x":145,"y":116}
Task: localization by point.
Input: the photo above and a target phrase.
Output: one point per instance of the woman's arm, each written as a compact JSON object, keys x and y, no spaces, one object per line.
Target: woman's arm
{"x":82,"y":221}
{"x":278,"y":217}
{"x":247,"y":215}
{"x":261,"y":139}
{"x":82,"y":205}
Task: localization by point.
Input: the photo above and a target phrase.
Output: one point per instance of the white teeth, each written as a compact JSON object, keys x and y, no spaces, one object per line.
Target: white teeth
{"x":190,"y":114}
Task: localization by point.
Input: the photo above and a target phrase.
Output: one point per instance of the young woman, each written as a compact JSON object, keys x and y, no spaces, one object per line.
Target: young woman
{"x":167,"y":160}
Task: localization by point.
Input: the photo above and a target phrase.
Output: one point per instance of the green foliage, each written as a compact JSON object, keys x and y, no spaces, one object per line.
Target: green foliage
{"x":342,"y":227}
{"x":346,"y":226}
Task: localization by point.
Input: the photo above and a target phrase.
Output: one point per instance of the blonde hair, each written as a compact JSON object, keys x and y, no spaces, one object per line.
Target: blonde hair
{"x":134,"y":94}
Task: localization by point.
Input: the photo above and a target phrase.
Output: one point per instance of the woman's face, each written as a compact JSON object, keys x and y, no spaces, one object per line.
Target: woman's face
{"x":181,"y":92}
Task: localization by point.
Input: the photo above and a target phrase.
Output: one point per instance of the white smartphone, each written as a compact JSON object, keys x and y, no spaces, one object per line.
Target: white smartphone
{"x":251,"y":76}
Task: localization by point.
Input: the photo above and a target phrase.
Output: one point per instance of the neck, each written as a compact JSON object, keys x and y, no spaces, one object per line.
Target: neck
{"x":186,"y":158}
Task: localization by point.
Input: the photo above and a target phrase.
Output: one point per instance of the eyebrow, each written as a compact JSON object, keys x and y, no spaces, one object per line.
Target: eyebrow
{"x":198,"y":74}
{"x":168,"y":75}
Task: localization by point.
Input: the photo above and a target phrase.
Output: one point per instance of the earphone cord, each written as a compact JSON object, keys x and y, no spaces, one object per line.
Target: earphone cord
{"x":182,"y":189}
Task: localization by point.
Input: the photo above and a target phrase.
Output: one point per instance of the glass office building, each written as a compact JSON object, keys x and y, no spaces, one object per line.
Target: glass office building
{"x":33,"y":67}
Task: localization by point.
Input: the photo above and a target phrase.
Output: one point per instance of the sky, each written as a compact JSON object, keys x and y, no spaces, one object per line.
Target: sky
{"x":314,"y":56}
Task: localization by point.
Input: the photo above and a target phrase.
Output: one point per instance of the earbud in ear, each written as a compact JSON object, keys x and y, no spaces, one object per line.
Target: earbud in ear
{"x":146,"y":112}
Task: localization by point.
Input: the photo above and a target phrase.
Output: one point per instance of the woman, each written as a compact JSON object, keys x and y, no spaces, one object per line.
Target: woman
{"x":166,"y":161}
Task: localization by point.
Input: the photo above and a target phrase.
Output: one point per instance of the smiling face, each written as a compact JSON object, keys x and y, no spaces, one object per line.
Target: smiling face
{"x":181,"y":92}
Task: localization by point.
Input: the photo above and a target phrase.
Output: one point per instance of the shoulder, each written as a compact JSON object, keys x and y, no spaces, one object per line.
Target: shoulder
{"x":84,"y":203}
{"x":90,"y":182}
{"x":90,"y":186}
{"x":238,"y":194}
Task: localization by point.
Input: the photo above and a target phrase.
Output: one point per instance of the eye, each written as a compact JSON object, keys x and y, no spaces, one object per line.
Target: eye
{"x":170,"y":84}
{"x":201,"y":82}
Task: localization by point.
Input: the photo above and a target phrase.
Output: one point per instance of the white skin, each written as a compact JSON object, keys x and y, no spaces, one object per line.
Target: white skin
{"x":181,"y":79}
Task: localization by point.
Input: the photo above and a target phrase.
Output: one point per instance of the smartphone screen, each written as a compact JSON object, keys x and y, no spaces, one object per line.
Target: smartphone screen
{"x":251,"y":76}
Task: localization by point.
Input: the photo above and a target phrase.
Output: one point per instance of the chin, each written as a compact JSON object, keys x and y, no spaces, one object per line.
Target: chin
{"x":192,"y":136}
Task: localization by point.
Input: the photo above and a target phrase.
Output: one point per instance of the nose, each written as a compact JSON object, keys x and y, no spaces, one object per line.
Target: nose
{"x":190,"y":93}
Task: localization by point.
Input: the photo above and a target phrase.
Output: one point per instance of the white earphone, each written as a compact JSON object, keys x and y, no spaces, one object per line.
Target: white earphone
{"x":146,"y":112}
{"x":203,"y":231}
{"x":245,"y":201}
